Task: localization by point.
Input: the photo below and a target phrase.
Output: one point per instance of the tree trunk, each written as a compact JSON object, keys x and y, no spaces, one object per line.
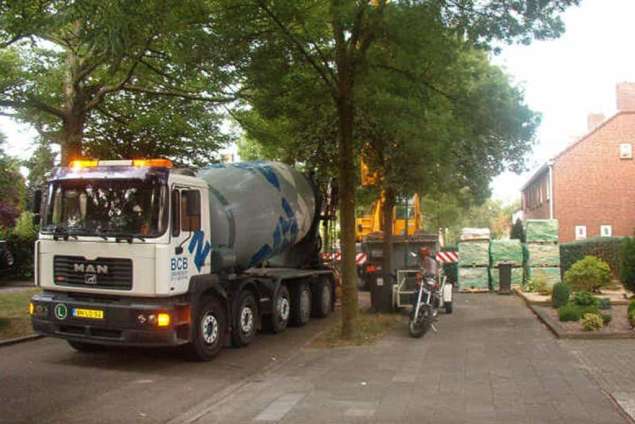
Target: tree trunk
{"x":389,"y":202}
{"x":72,"y":135}
{"x":347,"y":185}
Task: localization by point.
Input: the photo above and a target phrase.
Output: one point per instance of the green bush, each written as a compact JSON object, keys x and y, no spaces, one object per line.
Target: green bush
{"x":21,"y":242}
{"x":569,"y":312}
{"x":606,"y":318}
{"x":631,"y":318}
{"x":538,"y":284}
{"x":560,"y":295}
{"x":588,"y":274}
{"x":585,"y":298}
{"x":627,"y":263}
{"x":605,"y":248}
{"x":604,"y":303}
{"x":631,"y":306}
{"x":592,"y":322}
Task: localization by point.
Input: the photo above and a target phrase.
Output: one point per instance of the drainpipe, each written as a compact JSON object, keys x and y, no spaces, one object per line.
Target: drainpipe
{"x":550,"y":164}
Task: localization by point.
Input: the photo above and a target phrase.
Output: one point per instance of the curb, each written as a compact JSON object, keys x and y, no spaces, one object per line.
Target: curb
{"x":17,"y":340}
{"x":561,"y":334}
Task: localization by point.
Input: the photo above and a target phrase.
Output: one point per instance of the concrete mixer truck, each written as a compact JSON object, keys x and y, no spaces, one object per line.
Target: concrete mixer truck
{"x":140,"y":253}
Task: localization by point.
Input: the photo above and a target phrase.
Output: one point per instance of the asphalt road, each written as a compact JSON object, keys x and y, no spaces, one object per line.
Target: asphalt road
{"x":45,"y":381}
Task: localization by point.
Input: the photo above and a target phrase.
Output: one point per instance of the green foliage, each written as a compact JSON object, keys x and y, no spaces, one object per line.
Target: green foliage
{"x":560,"y":295}
{"x":606,"y":318}
{"x":569,"y":312}
{"x":592,"y":322}
{"x":627,"y":263}
{"x":605,"y":248}
{"x":604,"y":303}
{"x":22,"y":250}
{"x":585,"y":298}
{"x":24,"y":228}
{"x":518,"y":231}
{"x":631,"y":318}
{"x":588,"y":274}
{"x":538,"y":284}
{"x":631,"y":306}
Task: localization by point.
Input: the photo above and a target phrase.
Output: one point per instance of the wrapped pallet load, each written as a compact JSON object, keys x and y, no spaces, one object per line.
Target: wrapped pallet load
{"x":506,"y":252}
{"x":543,"y":251}
{"x":473,"y":272}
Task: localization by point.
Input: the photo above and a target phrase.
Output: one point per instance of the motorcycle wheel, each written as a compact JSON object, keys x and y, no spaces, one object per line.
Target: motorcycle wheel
{"x":419,"y":327}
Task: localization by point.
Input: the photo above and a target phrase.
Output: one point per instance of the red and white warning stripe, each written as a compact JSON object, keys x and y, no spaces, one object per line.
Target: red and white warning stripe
{"x":360,"y":258}
{"x":447,"y":257}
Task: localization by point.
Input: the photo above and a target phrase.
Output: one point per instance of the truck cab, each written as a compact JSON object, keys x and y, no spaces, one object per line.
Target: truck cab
{"x":124,"y":257}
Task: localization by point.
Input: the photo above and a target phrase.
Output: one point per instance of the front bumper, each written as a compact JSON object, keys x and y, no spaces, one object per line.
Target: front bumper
{"x":120,"y":325}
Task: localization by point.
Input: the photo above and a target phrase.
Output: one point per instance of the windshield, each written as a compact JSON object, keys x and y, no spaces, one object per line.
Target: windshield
{"x":106,"y":208}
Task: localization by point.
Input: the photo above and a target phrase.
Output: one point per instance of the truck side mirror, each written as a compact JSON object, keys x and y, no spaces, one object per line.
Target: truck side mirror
{"x":37,"y":206}
{"x":37,"y":201}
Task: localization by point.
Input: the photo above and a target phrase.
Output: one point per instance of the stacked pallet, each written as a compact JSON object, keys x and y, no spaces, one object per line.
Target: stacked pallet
{"x":506,"y":252}
{"x":543,"y":251}
{"x":473,"y":272}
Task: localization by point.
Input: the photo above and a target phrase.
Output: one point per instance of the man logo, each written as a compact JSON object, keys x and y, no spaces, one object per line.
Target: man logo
{"x":61,"y":311}
{"x":90,"y":279}
{"x":90,"y":268}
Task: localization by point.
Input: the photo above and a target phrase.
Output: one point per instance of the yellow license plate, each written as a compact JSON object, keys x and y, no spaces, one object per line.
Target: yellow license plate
{"x":88,"y":313}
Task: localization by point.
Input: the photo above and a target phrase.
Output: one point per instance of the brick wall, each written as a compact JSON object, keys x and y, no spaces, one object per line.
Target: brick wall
{"x":535,"y":197}
{"x":592,"y":185}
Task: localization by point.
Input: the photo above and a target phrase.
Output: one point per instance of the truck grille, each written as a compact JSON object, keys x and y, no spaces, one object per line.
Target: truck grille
{"x":103,"y":273}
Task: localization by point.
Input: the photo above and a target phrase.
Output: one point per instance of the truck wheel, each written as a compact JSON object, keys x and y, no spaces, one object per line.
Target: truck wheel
{"x":85,"y":347}
{"x":208,"y":332}
{"x":244,"y":328}
{"x":277,"y":322}
{"x":322,"y":298}
{"x":301,"y":305}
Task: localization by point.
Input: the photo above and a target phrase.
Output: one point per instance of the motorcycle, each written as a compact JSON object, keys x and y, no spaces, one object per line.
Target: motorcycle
{"x":430,"y":296}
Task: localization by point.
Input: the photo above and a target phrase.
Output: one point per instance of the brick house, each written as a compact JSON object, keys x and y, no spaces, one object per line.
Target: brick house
{"x":590,"y":186}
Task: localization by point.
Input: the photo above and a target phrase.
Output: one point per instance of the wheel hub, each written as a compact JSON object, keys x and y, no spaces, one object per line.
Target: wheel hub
{"x":247,"y":320}
{"x":283,"y":308}
{"x":209,"y":328}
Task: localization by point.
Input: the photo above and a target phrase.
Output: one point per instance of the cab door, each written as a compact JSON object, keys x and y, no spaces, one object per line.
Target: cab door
{"x":189,"y":235}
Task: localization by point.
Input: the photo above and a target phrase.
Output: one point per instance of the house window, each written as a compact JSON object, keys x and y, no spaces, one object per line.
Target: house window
{"x":606,"y":230}
{"x":580,"y":232}
{"x":626,"y":151}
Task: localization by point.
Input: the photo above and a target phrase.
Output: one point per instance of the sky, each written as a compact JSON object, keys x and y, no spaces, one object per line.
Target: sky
{"x":563,"y":79}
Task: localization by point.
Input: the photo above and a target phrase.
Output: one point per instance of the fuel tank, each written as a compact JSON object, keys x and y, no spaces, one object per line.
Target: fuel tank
{"x":258,"y":210}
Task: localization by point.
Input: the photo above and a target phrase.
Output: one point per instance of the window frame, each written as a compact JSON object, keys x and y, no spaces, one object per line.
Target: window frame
{"x":581,"y":236}
{"x":610,"y":230}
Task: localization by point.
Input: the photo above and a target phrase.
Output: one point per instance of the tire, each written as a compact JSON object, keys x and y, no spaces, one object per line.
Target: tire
{"x":277,"y":322}
{"x":420,"y":327}
{"x":322,"y":298}
{"x":448,"y":307}
{"x":246,"y":320}
{"x":209,"y":328}
{"x":301,"y":305}
{"x":86,"y":347}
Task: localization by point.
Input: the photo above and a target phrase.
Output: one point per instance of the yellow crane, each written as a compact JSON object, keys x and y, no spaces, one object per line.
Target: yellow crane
{"x":407,"y":211}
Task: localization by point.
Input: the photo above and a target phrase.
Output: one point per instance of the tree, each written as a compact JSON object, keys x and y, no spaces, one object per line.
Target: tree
{"x":11,"y":187}
{"x":61,"y":61}
{"x":332,"y":42}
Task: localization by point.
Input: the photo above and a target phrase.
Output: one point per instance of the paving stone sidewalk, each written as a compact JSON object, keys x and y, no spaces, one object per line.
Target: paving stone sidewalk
{"x":491,"y":362}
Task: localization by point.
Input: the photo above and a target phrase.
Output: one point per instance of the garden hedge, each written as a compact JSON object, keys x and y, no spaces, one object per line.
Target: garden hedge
{"x":605,"y":248}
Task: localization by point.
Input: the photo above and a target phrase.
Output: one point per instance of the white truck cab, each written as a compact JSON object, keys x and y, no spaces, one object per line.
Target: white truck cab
{"x":125,"y":257}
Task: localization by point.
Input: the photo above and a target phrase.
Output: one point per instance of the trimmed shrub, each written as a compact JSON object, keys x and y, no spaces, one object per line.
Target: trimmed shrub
{"x":604,"y":303}
{"x":569,"y":312}
{"x":584,"y":298}
{"x":606,"y":318}
{"x":605,"y":248}
{"x":588,"y":274}
{"x":592,"y":322}
{"x":631,"y":318}
{"x":560,"y":295}
{"x":627,"y":263}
